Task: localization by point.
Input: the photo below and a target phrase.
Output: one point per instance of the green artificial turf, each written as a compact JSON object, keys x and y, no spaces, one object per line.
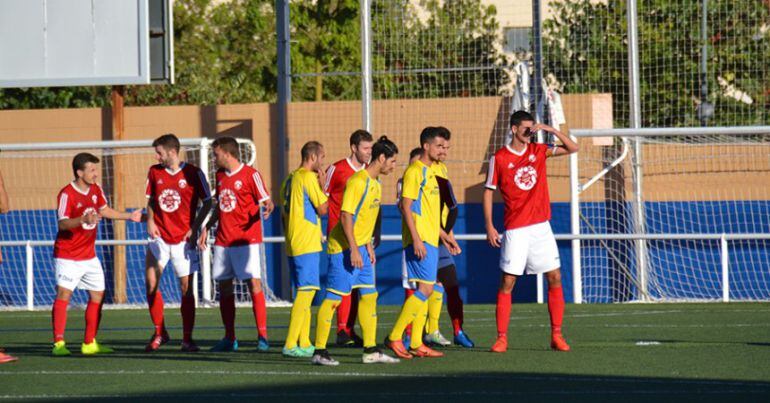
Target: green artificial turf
{"x":634,"y":352}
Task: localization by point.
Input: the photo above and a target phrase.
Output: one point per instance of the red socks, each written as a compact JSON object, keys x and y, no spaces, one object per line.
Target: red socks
{"x":556,"y":308}
{"x":227,"y":310}
{"x":93,"y":312}
{"x":188,"y":317}
{"x":59,"y":319}
{"x":343,"y":313}
{"x":155,"y":302}
{"x":503,"y":313}
{"x":353,"y":314}
{"x":260,"y":313}
{"x":454,"y":305}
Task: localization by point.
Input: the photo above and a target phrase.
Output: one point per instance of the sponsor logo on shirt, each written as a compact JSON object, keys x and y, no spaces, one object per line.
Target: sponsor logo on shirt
{"x":525,"y":178}
{"x":238,"y":185}
{"x":169,"y":200}
{"x":227,"y":200}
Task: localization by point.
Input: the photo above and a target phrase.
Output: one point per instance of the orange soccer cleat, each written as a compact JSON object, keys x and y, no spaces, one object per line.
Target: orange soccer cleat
{"x":425,"y":351}
{"x":500,"y":346}
{"x":397,"y":346}
{"x":558,"y":343}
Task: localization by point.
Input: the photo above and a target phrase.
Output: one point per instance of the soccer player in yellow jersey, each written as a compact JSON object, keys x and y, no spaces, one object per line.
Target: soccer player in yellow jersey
{"x":421,"y":228}
{"x":303,"y":203}
{"x":352,"y":257}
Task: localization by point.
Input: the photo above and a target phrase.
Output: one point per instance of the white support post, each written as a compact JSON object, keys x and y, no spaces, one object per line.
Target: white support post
{"x":205,"y":268}
{"x":195,"y":287}
{"x":540,"y":297}
{"x":366,"y":64}
{"x":574,"y":206}
{"x":725,"y":269}
{"x":30,"y":277}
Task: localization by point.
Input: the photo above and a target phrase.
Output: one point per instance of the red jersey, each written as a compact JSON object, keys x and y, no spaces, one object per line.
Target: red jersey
{"x":78,"y":243}
{"x":175,"y":197}
{"x":337,"y":176}
{"x":521,"y":178}
{"x":239,"y":194}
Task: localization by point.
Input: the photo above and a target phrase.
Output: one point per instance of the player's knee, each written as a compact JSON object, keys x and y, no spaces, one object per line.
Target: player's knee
{"x":96,"y":296}
{"x":554,"y":278}
{"x":507,"y":282}
{"x":256,"y":286}
{"x":448,"y":276}
{"x":426,"y":289}
{"x":63,"y":294}
{"x":226,"y":288}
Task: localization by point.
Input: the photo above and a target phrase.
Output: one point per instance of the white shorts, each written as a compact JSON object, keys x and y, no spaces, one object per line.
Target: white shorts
{"x":242,"y":262}
{"x":531,"y":250}
{"x":183,"y":256}
{"x":83,"y":274}
{"x":445,"y":259}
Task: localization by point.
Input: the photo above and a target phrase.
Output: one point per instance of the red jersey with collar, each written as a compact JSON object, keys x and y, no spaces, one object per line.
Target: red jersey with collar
{"x":239,"y":194}
{"x":175,"y":197}
{"x":78,"y":243}
{"x":521,"y":179}
{"x":337,"y":176}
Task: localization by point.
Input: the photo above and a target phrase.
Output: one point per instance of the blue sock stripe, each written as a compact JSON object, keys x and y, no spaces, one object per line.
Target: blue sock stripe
{"x":420,"y":296}
{"x":438,"y":288}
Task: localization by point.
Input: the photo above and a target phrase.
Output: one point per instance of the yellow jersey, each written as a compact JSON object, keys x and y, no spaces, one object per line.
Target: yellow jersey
{"x":419,"y":184}
{"x":361,"y":199}
{"x":301,"y":195}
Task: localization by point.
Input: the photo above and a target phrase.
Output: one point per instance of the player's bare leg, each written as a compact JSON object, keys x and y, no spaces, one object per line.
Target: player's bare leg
{"x":59,"y":321}
{"x":187,"y":309}
{"x":153,"y":272}
{"x":503,"y":312}
{"x":259,"y":308}
{"x":227,"y":311}
{"x":93,"y":319}
{"x":556,"y":310}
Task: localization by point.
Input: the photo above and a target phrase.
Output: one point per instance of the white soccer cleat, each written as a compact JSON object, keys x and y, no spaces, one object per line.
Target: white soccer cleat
{"x":322,"y":357}
{"x":436,"y":338}
{"x":378,"y":357}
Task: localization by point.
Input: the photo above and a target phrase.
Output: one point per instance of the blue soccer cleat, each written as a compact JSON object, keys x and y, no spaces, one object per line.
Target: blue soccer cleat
{"x":462,"y":339}
{"x":262,"y":344}
{"x":225,"y":346}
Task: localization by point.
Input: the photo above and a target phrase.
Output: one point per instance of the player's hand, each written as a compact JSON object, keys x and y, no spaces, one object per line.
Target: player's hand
{"x":152,"y":229}
{"x":451,"y":244}
{"x":135,"y":216}
{"x":188,"y":235}
{"x":372,"y":256}
{"x":322,"y":177}
{"x":493,"y":237}
{"x":356,"y":260}
{"x":202,"y":245}
{"x":268,"y":207}
{"x":544,"y":127}
{"x":419,"y":249}
{"x":90,"y":219}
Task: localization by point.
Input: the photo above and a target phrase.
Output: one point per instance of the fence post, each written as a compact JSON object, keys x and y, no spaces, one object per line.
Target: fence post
{"x":725,"y":272}
{"x":205,"y":268}
{"x":30,"y":276}
{"x":574,"y":206}
{"x":540,"y":297}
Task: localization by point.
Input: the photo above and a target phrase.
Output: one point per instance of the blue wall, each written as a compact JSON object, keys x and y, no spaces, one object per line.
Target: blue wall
{"x":698,"y":262}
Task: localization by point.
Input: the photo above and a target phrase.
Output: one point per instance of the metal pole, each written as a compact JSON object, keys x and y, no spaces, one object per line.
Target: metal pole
{"x":537,"y":83}
{"x":540,"y":295}
{"x":366,"y":64}
{"x":282,"y":26}
{"x":635,"y":122}
{"x":30,"y":277}
{"x":574,"y":207}
{"x":206,"y":254}
{"x":725,"y":269}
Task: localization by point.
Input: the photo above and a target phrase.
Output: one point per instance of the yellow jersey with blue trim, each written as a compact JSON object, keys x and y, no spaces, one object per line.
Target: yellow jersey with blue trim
{"x":361,"y":199}
{"x":419,"y":184}
{"x":301,"y":196}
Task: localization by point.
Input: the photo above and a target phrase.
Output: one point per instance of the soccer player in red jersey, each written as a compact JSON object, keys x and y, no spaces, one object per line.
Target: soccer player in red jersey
{"x":241,"y":196}
{"x":4,"y":208}
{"x":518,"y":171}
{"x":337,"y":176}
{"x":174,"y":190}
{"x":81,"y":205}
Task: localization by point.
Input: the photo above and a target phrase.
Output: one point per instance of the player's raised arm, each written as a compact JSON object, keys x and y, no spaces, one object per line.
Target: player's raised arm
{"x":566,"y":147}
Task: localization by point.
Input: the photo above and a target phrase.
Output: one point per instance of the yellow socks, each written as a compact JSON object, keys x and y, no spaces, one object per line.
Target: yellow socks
{"x":367,"y":317}
{"x":324,"y":322}
{"x":435,"y":302}
{"x":409,"y":311}
{"x":299,"y":310}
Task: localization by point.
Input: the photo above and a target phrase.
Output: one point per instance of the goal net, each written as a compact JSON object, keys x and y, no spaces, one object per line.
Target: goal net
{"x":35,"y":173}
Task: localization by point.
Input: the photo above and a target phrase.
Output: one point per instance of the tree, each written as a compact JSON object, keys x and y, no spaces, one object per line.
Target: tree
{"x":585,"y":48}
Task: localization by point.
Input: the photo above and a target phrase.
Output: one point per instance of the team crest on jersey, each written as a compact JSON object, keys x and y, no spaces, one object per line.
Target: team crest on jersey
{"x":375,"y":204}
{"x":182,"y":184}
{"x":238,"y":185}
{"x":227,"y":200}
{"x":525,"y":178}
{"x":532,"y":158}
{"x":88,"y":211}
{"x":169,"y":200}
{"x":93,"y":198}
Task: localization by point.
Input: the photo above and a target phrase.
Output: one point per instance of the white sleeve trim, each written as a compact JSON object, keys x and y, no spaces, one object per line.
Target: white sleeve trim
{"x":260,"y":186}
{"x":491,"y":173}
{"x":62,"y":207}
{"x":329,"y":173}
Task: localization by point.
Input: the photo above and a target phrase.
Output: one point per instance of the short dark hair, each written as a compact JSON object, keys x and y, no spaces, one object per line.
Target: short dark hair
{"x":416,"y":152}
{"x":309,"y":149}
{"x":521,"y":116}
{"x":360,"y":135}
{"x":168,"y":142}
{"x":228,"y":145}
{"x":429,"y":133}
{"x":385,"y":147}
{"x":80,"y":161}
{"x":443,"y":132}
